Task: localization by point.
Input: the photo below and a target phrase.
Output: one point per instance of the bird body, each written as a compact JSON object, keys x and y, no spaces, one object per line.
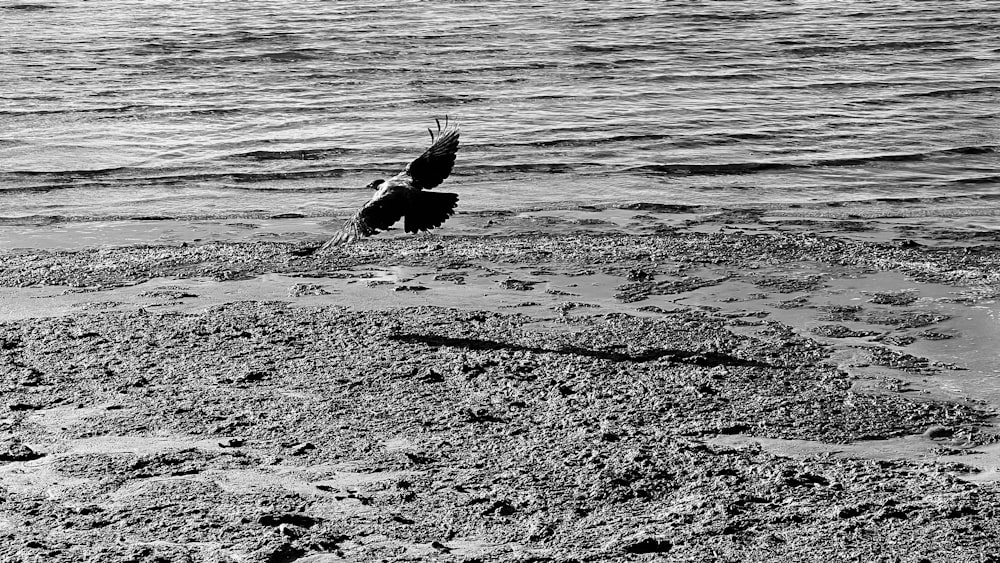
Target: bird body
{"x":405,"y":195}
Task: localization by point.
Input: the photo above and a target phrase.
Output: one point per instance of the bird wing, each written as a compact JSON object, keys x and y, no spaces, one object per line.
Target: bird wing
{"x":427,"y":210}
{"x":378,"y":214}
{"x":392,"y":201}
{"x":434,"y":165}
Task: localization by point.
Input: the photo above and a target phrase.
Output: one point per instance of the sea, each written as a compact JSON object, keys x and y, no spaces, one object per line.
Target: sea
{"x":124,"y":109}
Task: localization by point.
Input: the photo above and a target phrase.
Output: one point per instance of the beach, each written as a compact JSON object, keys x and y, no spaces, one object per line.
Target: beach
{"x":722,"y":283}
{"x":630,"y":383}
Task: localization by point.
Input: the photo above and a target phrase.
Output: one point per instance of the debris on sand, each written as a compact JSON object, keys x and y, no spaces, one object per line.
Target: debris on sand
{"x":307,"y":427}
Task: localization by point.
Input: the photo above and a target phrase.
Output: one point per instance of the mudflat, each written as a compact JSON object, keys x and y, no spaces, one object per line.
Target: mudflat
{"x":714,"y":389}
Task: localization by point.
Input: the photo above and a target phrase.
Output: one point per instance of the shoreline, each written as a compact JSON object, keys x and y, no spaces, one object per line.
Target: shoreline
{"x":681,"y":389}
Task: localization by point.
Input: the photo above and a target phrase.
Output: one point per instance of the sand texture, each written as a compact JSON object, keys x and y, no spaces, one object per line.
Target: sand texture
{"x":695,"y":393}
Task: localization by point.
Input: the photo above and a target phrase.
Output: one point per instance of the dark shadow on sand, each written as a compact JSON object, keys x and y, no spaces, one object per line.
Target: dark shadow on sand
{"x":702,"y":359}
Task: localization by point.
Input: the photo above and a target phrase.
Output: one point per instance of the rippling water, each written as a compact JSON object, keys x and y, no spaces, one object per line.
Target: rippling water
{"x":122,"y":108}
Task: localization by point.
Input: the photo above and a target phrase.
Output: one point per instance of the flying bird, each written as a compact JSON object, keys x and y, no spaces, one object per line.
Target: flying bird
{"x":405,"y":195}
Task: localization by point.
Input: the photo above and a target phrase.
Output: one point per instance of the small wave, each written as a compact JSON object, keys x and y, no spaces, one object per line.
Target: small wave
{"x":974,"y":149}
{"x":576,"y":142}
{"x":598,"y":48}
{"x":290,"y":56}
{"x":893,"y":46}
{"x":509,"y":67}
{"x":449,"y":100}
{"x":633,"y":17}
{"x":96,"y":110}
{"x":139,"y":178}
{"x":67,"y":173}
{"x":686,"y":78}
{"x":754,"y":167}
{"x":742,"y":136}
{"x":46,"y":220}
{"x":952,"y":92}
{"x":978,"y":180}
{"x":159,"y":183}
{"x":28,"y":7}
{"x":295,"y":154}
{"x":711,"y":169}
{"x":868,"y":159}
{"x":730,"y":17}
{"x":538,"y":168}
{"x":250,"y":37}
{"x":907,"y":157}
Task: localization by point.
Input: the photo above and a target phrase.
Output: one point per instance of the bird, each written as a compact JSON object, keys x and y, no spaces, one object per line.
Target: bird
{"x":406,"y":195}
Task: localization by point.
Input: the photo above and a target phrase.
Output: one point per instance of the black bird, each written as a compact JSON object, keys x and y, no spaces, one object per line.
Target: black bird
{"x":405,"y":196}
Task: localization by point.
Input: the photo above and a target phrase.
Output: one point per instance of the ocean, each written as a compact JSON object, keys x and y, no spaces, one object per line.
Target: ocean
{"x":121,"y":109}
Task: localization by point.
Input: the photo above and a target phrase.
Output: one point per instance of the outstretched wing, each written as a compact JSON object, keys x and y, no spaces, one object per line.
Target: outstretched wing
{"x":398,"y":197}
{"x":427,"y":210}
{"x":431,"y":168}
{"x":378,"y":214}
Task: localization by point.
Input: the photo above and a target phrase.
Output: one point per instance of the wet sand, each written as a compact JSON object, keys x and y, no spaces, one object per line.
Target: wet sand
{"x":638,"y":383}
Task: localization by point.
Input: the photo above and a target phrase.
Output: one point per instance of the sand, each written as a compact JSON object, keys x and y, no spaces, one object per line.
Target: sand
{"x":628,"y":384}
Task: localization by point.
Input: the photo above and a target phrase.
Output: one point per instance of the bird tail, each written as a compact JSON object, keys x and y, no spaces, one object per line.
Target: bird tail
{"x":352,"y":230}
{"x":428,"y":210}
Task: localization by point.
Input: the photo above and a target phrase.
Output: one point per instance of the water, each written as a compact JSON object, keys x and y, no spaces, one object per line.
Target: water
{"x":124,"y":108}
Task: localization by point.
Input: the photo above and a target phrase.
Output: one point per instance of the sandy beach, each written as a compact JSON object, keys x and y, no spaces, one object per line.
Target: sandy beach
{"x":633,"y":383}
{"x":706,"y":282}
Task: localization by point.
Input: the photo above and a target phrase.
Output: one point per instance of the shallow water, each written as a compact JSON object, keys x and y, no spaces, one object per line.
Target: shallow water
{"x":124,"y":108}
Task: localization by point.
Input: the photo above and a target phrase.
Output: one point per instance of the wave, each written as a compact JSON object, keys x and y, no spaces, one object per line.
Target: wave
{"x":600,"y":48}
{"x":130,"y":108}
{"x":138,"y":177}
{"x":293,"y":154}
{"x":28,"y":7}
{"x":995,"y":179}
{"x":65,"y":173}
{"x":952,"y":92}
{"x":41,"y":181}
{"x":46,"y":220}
{"x":710,"y":169}
{"x":574,"y":142}
{"x":537,"y":168}
{"x":951,"y":205}
{"x":865,"y":47}
{"x":730,"y":16}
{"x":907,"y":157}
{"x":290,"y":56}
{"x":109,"y":179}
{"x":735,"y":168}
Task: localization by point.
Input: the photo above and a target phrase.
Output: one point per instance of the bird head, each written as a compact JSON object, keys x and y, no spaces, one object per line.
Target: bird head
{"x":374,"y":184}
